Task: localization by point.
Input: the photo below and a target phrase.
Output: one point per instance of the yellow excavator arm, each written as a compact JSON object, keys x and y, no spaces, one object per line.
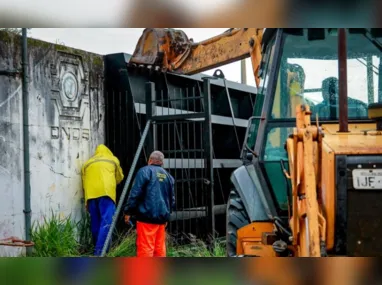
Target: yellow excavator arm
{"x":170,"y":50}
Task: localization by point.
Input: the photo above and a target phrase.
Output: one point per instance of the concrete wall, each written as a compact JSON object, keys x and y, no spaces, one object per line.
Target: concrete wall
{"x":66,"y":116}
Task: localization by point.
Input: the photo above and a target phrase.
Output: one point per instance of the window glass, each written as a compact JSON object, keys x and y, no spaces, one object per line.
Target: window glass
{"x":309,"y":74}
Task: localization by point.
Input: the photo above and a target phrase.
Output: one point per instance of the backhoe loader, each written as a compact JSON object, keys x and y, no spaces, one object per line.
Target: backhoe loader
{"x":311,"y":180}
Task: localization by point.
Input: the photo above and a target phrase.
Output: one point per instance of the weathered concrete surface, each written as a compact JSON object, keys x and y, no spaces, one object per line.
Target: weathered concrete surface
{"x":66,"y":117}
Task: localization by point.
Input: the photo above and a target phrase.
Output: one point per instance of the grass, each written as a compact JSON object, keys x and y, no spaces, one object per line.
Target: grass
{"x":126,"y":247}
{"x":57,"y":237}
{"x":195,"y":249}
{"x":85,"y":236}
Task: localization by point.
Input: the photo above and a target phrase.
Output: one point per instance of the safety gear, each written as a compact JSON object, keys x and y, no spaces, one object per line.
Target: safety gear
{"x":101,"y":216}
{"x":101,"y":174}
{"x":152,"y":197}
{"x":151,"y":240}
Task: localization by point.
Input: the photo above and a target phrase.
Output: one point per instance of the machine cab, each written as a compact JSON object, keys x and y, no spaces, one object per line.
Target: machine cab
{"x":300,"y":66}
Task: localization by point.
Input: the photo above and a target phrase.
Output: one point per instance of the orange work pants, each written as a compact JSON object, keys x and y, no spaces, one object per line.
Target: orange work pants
{"x":151,"y":240}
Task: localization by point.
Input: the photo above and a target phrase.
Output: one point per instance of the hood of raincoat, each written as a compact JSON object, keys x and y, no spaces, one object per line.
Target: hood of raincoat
{"x":103,"y":150}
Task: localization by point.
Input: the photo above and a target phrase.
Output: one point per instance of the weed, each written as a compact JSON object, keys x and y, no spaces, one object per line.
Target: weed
{"x":62,"y":237}
{"x":196,"y":249}
{"x":85,"y":238}
{"x":125,"y":246}
{"x":55,"y":238}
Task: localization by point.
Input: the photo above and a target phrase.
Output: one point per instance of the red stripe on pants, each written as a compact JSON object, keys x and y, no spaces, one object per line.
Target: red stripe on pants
{"x":151,"y":240}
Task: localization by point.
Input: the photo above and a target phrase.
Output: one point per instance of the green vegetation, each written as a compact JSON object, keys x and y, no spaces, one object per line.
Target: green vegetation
{"x":196,"y":249}
{"x":85,"y":236}
{"x":88,"y":57}
{"x":9,"y":35}
{"x":16,"y":31}
{"x":38,"y":43}
{"x":57,"y":237}
{"x":97,"y":61}
{"x":125,"y":246}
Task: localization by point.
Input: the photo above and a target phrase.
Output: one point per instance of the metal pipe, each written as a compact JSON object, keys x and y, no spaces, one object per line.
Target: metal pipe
{"x":232,"y":114}
{"x":194,"y":213}
{"x":243,"y":71}
{"x":342,"y":76}
{"x":380,"y":81}
{"x":208,"y":155}
{"x":27,"y":187}
{"x":370,"y":79}
{"x":126,"y":187}
{"x":7,"y":72}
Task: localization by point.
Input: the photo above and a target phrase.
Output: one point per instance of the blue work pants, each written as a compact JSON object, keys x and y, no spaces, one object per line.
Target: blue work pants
{"x":101,"y":212}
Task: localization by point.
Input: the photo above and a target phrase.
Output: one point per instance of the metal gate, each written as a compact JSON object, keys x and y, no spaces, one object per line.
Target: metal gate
{"x":182,"y":130}
{"x":178,"y":103}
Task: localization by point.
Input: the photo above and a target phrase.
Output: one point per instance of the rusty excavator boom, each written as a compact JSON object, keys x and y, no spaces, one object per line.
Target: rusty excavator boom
{"x":170,"y":50}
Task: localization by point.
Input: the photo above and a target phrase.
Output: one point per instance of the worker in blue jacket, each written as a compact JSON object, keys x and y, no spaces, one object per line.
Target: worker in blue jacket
{"x":151,"y":202}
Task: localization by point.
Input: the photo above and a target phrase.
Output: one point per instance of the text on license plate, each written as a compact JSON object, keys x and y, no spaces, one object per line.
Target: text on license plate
{"x":367,"y":179}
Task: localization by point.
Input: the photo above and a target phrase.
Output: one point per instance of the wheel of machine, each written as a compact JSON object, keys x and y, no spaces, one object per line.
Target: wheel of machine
{"x":237,"y":218}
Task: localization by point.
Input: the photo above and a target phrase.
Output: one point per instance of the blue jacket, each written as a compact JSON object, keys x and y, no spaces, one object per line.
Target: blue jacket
{"x":152,"y":197}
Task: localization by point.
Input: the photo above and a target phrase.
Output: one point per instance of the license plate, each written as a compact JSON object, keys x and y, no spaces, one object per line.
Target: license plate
{"x":367,"y":179}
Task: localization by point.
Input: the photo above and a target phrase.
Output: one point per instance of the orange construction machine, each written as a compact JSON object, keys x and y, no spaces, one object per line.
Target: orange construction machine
{"x":311,"y":180}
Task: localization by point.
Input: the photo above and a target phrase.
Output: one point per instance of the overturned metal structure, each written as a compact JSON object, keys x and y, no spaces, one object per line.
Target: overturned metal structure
{"x":199,"y":123}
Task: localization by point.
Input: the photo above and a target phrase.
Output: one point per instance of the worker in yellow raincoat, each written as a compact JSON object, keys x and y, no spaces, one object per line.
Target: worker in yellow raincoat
{"x":100,"y":176}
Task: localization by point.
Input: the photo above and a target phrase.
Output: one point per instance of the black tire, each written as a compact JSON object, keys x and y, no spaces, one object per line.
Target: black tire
{"x":237,"y":218}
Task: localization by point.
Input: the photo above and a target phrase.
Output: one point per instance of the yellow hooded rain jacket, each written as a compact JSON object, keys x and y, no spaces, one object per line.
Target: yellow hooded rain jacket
{"x":101,"y":174}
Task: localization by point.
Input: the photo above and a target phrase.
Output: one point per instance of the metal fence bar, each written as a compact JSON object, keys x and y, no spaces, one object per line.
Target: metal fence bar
{"x":150,"y":113}
{"x":179,"y":116}
{"x":176,"y":180}
{"x":232,"y":114}
{"x":209,"y":157}
{"x":180,"y":99}
{"x":191,"y":189}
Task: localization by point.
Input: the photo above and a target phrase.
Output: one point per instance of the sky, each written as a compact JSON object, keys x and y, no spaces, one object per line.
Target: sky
{"x":114,"y":40}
